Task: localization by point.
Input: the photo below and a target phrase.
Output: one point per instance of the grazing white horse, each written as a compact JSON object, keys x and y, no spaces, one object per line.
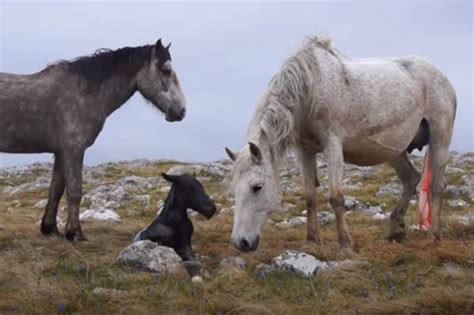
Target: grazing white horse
{"x":360,"y":111}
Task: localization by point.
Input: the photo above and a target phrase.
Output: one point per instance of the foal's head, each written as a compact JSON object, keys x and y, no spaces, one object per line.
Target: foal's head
{"x":190,"y":194}
{"x":159,"y":84}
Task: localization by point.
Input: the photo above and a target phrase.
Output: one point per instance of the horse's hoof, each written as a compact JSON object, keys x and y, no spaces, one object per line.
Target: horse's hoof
{"x":75,"y":236}
{"x":48,"y":227}
{"x":397,"y":237}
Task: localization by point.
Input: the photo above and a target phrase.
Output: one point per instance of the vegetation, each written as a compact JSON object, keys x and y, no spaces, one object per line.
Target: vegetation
{"x":46,"y":275}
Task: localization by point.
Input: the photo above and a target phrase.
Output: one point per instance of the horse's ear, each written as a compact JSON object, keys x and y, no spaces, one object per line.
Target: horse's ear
{"x":194,"y":175}
{"x":170,"y":178}
{"x":168,"y":47}
{"x":232,"y":155}
{"x":255,"y":152}
{"x":159,"y":44}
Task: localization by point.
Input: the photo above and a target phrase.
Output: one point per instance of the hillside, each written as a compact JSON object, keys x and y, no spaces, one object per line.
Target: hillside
{"x":46,"y":275}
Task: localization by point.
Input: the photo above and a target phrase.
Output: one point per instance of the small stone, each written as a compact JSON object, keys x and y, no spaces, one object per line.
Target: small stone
{"x":196,"y":279}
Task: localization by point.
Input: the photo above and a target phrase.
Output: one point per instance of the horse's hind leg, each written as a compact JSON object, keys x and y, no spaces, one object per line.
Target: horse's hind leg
{"x":409,"y":177}
{"x":73,"y":163}
{"x":307,"y":163}
{"x":334,"y":155}
{"x":439,"y":152}
{"x":56,"y":191}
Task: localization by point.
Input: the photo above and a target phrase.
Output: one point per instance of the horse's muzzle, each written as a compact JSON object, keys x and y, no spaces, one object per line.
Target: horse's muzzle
{"x":175,"y":115}
{"x":245,"y":246}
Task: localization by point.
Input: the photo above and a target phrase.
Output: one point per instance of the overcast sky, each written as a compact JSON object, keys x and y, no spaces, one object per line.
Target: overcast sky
{"x":225,"y":54}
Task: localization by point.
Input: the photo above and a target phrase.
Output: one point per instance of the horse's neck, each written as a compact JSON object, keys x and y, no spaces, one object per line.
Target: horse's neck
{"x":114,"y":92}
{"x":173,"y":209}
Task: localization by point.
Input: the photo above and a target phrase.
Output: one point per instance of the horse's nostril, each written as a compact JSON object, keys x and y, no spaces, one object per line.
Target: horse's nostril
{"x":182,"y":112}
{"x":244,"y":244}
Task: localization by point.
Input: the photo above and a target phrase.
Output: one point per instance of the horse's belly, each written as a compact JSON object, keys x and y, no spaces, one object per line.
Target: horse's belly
{"x":382,"y":147}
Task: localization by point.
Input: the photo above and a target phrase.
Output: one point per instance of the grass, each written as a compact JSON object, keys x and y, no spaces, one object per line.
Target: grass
{"x":43,"y":275}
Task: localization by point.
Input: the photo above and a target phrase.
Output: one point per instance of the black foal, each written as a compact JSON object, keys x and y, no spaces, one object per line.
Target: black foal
{"x":172,"y":227}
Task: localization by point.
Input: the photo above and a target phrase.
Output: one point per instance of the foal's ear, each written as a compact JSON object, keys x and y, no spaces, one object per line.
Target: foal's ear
{"x":170,"y":178}
{"x":232,"y":155}
{"x":255,"y":152}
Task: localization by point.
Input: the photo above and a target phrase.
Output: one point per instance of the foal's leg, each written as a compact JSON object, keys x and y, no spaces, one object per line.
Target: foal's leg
{"x":308,"y":170}
{"x":56,"y":191}
{"x":409,"y":177}
{"x":334,"y":155}
{"x":73,"y":163}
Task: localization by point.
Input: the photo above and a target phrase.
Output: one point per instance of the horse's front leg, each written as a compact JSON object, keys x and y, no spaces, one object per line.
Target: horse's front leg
{"x":308,"y":170}
{"x":335,"y":158}
{"x":56,"y":191}
{"x":193,"y":268}
{"x":73,"y":163}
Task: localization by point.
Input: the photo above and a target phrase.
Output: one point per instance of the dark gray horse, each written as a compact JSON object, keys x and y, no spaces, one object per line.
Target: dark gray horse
{"x":63,"y":108}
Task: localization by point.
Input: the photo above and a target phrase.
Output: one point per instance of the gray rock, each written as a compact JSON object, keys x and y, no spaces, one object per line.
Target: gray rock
{"x":466,"y":219}
{"x":295,"y":221}
{"x":149,"y":256}
{"x":99,"y":215}
{"x":326,"y":217}
{"x":457,"y":203}
{"x":41,"y":183}
{"x":351,"y":203}
{"x":372,"y":210}
{"x":298,"y":262}
{"x":233,"y":261}
{"x":381,"y":216}
{"x":188,"y":169}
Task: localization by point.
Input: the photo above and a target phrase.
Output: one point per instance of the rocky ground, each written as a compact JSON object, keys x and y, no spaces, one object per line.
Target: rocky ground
{"x":111,"y":274}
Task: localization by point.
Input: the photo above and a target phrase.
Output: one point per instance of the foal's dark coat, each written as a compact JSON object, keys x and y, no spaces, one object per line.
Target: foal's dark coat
{"x":172,"y":227}
{"x":63,"y":108}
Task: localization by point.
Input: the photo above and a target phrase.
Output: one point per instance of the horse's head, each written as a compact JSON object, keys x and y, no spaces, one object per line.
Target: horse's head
{"x":255,"y":186}
{"x":192,"y":194}
{"x":159,"y":84}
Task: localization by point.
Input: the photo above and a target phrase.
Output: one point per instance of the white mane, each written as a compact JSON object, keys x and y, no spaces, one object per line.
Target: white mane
{"x":280,"y":113}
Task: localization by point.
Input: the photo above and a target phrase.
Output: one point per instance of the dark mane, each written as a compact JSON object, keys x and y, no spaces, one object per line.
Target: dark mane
{"x":105,"y":63}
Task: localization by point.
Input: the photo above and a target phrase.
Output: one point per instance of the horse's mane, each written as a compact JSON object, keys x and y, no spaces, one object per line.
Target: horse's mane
{"x":281,"y":111}
{"x":288,"y":100}
{"x":105,"y":63}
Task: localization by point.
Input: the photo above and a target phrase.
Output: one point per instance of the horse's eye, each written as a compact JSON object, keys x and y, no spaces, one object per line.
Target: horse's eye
{"x":167,"y":71}
{"x":256,"y":188}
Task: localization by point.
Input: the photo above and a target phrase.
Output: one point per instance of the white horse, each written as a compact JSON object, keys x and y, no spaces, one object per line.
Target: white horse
{"x":361,"y":111}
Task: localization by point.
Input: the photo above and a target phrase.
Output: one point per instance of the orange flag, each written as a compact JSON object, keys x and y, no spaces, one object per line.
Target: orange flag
{"x":424,"y":203}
